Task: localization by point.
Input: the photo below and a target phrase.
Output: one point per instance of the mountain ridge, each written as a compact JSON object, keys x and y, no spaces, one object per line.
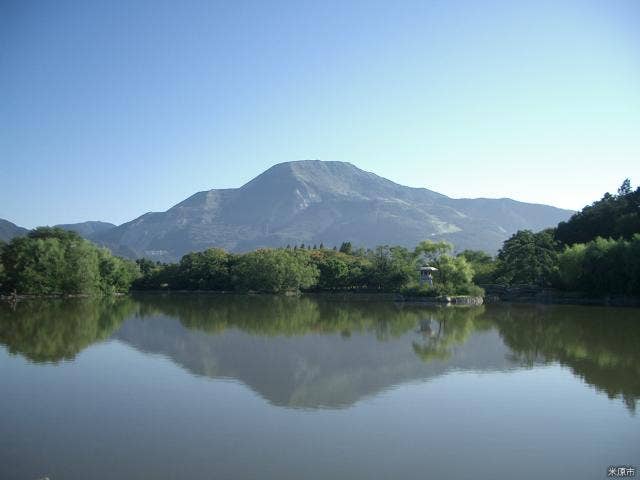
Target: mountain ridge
{"x":87,"y":229}
{"x":9,"y":230}
{"x":314,"y":201}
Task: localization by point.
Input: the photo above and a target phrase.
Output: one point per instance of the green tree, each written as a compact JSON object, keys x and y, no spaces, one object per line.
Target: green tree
{"x":346,"y":248}
{"x":208,"y":270}
{"x":571,"y":267}
{"x":116,"y":274}
{"x":145,"y":265}
{"x":483,"y":264}
{"x":614,"y":216}
{"x":528,"y":258}
{"x":390,"y":268}
{"x":56,"y":261}
{"x":333,"y":268}
{"x":453,"y":272}
{"x":625,"y":188}
{"x":602,"y":266}
{"x":428,"y":252}
{"x":268,"y":270}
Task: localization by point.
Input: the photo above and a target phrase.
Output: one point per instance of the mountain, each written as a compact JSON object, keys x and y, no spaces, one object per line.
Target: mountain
{"x":87,"y":229}
{"x":313,"y":201}
{"x":9,"y":230}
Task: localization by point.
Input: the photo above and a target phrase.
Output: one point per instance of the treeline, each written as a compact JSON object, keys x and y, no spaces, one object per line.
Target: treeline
{"x":614,"y":216}
{"x":383,"y":269}
{"x":53,"y":261}
{"x":597,"y":251}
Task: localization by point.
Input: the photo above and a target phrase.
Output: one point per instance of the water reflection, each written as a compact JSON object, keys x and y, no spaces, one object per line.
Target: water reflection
{"x":267,"y":315}
{"x":302,"y":352}
{"x":51,"y":330}
{"x":600,"y":344}
{"x":445,"y":328}
{"x":307,"y":352}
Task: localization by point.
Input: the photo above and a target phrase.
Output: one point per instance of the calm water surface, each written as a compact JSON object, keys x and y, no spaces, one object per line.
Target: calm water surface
{"x":200,"y":387}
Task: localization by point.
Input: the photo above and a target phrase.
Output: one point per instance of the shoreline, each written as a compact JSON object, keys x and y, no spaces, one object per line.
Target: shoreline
{"x":494,"y":295}
{"x":534,"y":294}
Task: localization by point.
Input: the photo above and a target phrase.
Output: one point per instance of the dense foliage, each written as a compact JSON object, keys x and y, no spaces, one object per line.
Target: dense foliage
{"x":482,"y":263}
{"x":56,"y":261}
{"x":528,"y":257}
{"x":273,"y":271}
{"x":596,"y":252}
{"x":385,"y":269}
{"x":601,"y":266}
{"x":614,"y":216}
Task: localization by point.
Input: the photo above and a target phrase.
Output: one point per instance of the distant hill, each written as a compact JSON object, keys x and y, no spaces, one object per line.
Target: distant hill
{"x":87,"y":229}
{"x":10,"y":230}
{"x":313,"y":201}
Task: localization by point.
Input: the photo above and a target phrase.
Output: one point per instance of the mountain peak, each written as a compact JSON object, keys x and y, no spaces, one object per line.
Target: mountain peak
{"x":312,"y":164}
{"x":306,"y":170}
{"x":317,"y":178}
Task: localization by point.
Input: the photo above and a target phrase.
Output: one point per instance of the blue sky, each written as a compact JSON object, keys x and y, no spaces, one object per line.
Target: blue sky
{"x":112,"y":109}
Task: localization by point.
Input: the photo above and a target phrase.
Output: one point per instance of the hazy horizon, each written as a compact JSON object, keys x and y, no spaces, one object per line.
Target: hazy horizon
{"x":113,"y":110}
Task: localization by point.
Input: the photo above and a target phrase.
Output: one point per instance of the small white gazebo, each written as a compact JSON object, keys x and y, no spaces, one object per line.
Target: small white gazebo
{"x":426,"y":275}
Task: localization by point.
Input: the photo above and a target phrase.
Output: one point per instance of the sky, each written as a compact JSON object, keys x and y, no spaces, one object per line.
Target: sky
{"x":110,"y":109}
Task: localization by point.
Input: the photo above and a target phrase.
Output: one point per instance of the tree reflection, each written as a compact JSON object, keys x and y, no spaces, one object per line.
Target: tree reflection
{"x":600,"y":345}
{"x":446,"y":327}
{"x":51,"y":330}
{"x":269,"y":315}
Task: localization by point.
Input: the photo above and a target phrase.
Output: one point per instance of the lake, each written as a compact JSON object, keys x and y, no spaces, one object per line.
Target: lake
{"x":267,"y":387}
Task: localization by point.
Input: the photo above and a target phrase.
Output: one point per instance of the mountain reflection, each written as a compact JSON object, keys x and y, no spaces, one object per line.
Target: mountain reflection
{"x":308,"y":352}
{"x":311,"y":352}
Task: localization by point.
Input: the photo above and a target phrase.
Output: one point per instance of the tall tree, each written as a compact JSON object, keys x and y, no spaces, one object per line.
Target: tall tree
{"x":528,"y":258}
{"x":346,"y":248}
